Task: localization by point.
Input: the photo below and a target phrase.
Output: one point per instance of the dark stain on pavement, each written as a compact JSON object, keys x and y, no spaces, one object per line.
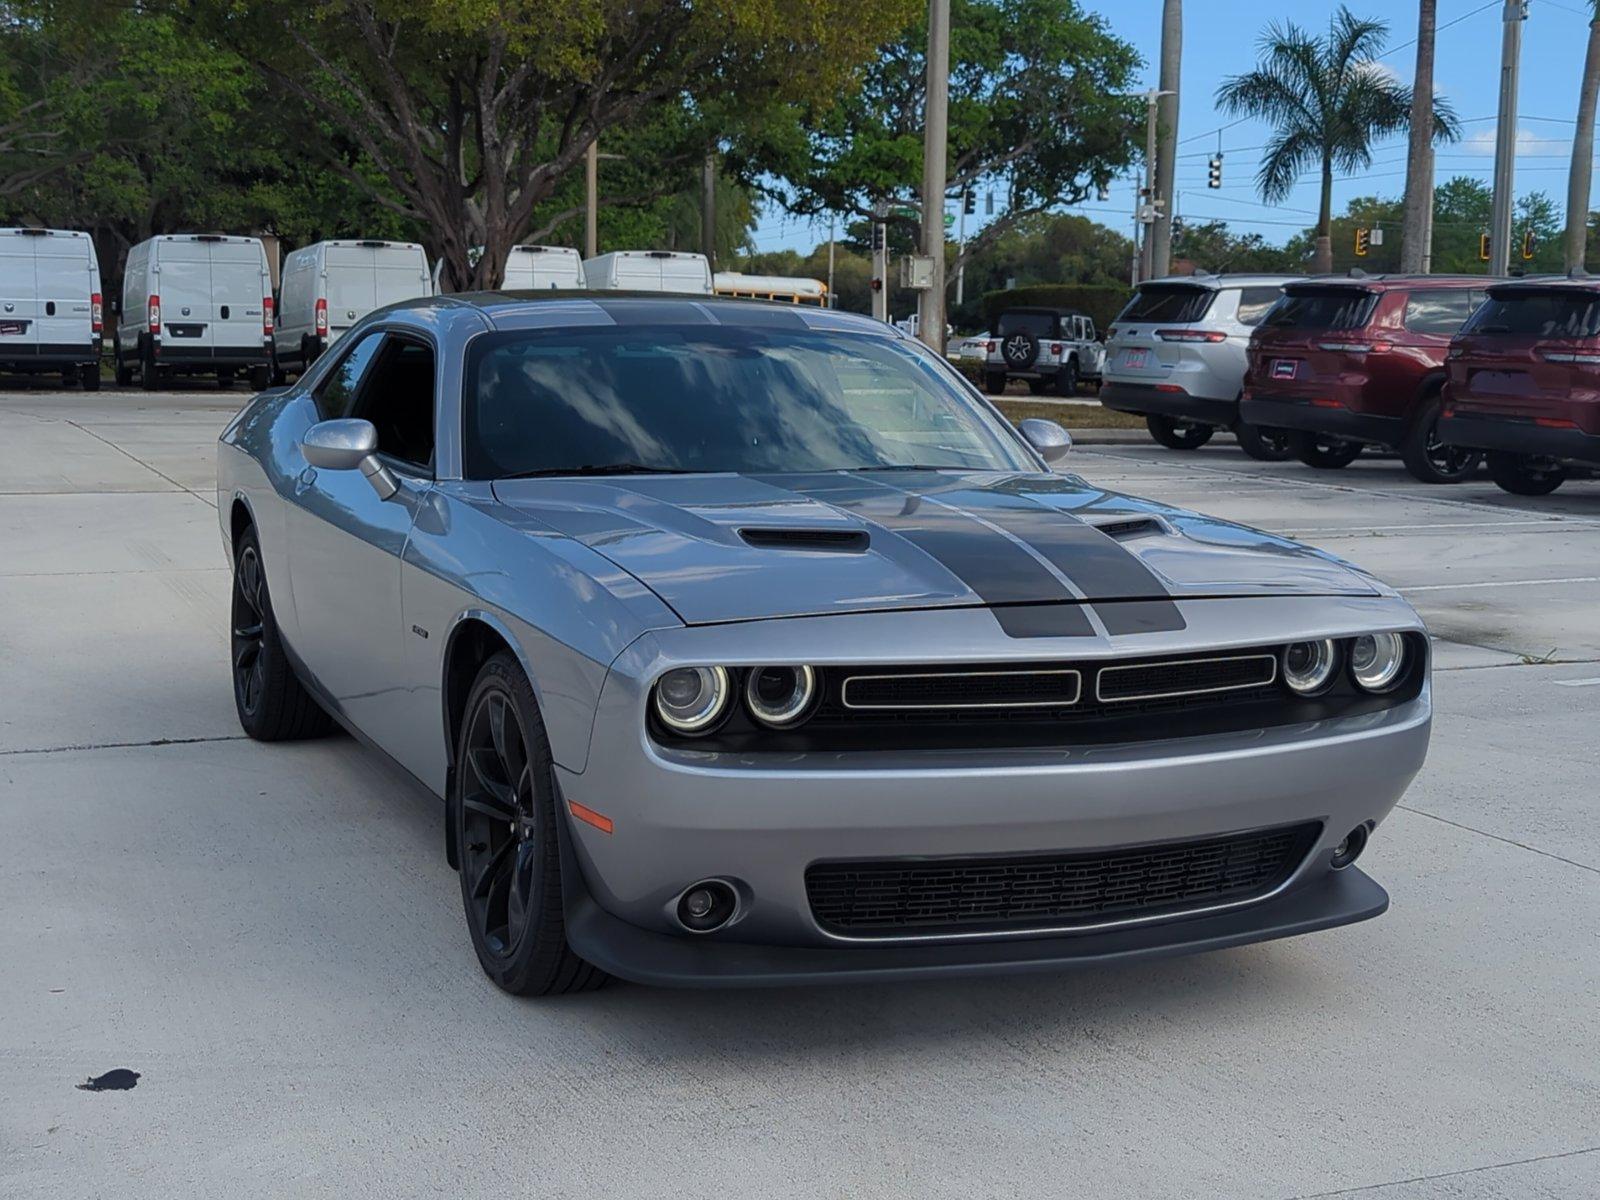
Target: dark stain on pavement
{"x":119,"y":1080}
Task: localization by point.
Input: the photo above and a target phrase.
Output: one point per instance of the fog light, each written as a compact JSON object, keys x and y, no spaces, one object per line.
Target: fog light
{"x":1308,"y":667}
{"x":1377,"y":660}
{"x":1347,"y":851}
{"x":707,"y":905}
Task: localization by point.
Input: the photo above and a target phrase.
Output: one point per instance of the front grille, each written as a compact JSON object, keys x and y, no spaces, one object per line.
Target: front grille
{"x":963,"y":689}
{"x":1188,"y":677}
{"x":901,"y":897}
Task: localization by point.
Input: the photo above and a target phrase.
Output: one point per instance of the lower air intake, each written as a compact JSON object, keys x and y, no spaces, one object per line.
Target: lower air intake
{"x":1054,"y":891}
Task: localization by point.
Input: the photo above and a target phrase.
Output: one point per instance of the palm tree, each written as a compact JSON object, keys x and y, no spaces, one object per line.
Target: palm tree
{"x":1419,"y":152}
{"x":1577,"y":237}
{"x":1329,"y":100}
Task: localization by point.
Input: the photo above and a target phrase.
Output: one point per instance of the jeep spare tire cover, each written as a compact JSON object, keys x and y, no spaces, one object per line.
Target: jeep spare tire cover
{"x":1019,"y":349}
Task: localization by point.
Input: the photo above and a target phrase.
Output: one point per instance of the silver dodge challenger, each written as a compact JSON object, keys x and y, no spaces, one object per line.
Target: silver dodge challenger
{"x":748,"y":644}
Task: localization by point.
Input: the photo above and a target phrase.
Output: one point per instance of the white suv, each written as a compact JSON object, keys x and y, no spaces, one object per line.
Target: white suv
{"x":1176,"y":356}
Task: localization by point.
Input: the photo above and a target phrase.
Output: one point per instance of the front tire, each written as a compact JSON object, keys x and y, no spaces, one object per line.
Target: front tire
{"x":994,"y":382}
{"x":149,"y":377}
{"x":260,"y":378}
{"x":1323,"y":452}
{"x":1525,"y":474}
{"x":89,"y":376}
{"x":503,"y":815}
{"x":124,"y":371}
{"x":272,"y":703}
{"x":1067,"y":378}
{"x":1429,"y":459}
{"x":1263,"y":443}
{"x":1178,"y":434}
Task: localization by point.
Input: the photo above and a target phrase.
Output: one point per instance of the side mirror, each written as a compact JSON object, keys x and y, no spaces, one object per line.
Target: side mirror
{"x":348,"y":444}
{"x":1048,"y":438}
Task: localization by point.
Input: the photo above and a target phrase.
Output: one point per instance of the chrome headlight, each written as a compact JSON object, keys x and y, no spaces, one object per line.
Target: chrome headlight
{"x":1308,"y":667}
{"x":780,"y":696}
{"x":1378,"y":660}
{"x":692,"y":699}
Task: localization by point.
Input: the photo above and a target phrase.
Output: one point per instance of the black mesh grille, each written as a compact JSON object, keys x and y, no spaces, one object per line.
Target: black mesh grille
{"x":967,"y":895}
{"x":958,"y":689}
{"x":1155,"y":680}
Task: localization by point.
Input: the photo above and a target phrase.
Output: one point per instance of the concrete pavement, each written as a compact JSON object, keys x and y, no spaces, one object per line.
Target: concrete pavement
{"x":270,"y":935}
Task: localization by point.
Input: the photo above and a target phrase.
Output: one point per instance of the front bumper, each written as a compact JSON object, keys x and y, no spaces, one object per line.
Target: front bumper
{"x":1147,"y":400}
{"x":1519,"y":437}
{"x":760,"y":820}
{"x":1295,"y":412}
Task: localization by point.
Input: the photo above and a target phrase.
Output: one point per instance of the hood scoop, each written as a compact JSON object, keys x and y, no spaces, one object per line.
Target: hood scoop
{"x":834,"y":541}
{"x":1124,"y":528}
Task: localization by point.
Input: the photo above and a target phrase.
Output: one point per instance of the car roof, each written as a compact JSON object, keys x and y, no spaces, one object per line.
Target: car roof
{"x":1384,"y":283}
{"x":1546,"y":283}
{"x":556,"y":307}
{"x":1218,"y":282}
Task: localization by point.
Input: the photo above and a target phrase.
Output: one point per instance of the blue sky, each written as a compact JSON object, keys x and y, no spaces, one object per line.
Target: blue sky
{"x":1220,"y":39}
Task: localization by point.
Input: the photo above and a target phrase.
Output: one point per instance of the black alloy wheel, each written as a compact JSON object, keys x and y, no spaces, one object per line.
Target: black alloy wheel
{"x":1323,"y":452}
{"x":1175,"y":433}
{"x":1526,"y":474}
{"x":1263,"y":443}
{"x":272,"y":703}
{"x":249,"y":632}
{"x":1428,"y":457}
{"x":504,"y":815}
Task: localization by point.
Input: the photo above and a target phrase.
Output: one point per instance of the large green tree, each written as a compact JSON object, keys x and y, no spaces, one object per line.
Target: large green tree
{"x":473,"y":112}
{"x":1039,"y":117}
{"x":1327,"y":99}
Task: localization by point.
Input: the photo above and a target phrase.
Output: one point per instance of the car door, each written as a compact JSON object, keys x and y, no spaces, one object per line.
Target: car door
{"x":345,"y":544}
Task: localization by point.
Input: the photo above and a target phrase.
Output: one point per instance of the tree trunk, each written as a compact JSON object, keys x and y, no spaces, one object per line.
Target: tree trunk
{"x":1167,"y":134}
{"x":1419,"y":162}
{"x":1322,"y":260}
{"x":1577,"y":236}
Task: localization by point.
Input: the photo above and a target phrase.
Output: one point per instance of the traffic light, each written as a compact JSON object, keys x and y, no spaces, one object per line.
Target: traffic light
{"x":876,"y":285}
{"x":1214,"y":177}
{"x":880,"y":239}
{"x":1483,"y":246}
{"x":1363,"y":241}
{"x":969,"y":203}
{"x":990,"y":209}
{"x":1527,"y":244}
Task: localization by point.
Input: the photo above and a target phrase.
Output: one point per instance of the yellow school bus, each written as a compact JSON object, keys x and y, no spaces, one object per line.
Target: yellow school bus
{"x":786,"y":288}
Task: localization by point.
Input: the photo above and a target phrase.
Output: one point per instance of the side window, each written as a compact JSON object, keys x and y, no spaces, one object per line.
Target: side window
{"x":397,"y":397}
{"x":1437,"y":312}
{"x":336,"y":394}
{"x":1254,"y":302}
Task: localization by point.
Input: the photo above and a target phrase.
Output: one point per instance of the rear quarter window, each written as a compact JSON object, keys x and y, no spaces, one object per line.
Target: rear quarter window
{"x":1168,"y":304}
{"x":1439,"y":312}
{"x":1254,"y":303}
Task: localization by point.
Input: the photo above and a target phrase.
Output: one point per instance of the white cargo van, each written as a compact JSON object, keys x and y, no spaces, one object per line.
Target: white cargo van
{"x":195,"y":304}
{"x":50,"y":304}
{"x":529,"y":268}
{"x":649,"y":271}
{"x":330,"y":286}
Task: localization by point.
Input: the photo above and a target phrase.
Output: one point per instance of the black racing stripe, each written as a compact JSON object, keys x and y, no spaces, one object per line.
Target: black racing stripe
{"x":1044,"y":620}
{"x":991,"y":564}
{"x":1140,"y":616}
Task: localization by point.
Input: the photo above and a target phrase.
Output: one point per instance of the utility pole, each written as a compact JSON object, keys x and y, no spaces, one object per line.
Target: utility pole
{"x":880,"y":262}
{"x":832,"y":221}
{"x":935,"y":136}
{"x":1505,"y":140}
{"x":961,"y":251}
{"x":1419,"y":152}
{"x":591,"y":200}
{"x":708,"y":210}
{"x":1167,"y":134}
{"x":1150,"y":204}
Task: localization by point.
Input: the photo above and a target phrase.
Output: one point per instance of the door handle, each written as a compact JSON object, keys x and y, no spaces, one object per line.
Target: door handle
{"x":305,"y":480}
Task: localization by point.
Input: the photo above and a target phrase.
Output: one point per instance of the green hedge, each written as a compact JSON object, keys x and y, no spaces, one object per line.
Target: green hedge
{"x":1099,"y":301}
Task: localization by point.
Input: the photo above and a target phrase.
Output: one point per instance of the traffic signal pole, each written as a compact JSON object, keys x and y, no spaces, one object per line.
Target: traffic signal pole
{"x":1505,"y":140}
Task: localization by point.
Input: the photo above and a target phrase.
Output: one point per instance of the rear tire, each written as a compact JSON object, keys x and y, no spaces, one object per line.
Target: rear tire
{"x":124,"y":371}
{"x":149,"y":376}
{"x":1429,"y":459}
{"x":994,"y":382}
{"x":1263,"y":443}
{"x":1323,"y":452}
{"x":1038,"y":387}
{"x":225,"y":377}
{"x":504,"y":818}
{"x":273,"y":705}
{"x":260,"y":378}
{"x":1067,"y":378}
{"x":1525,"y":474}
{"x":1177,"y":434}
{"x":89,"y":376}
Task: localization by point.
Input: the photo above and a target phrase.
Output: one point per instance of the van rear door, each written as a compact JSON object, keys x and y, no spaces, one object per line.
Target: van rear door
{"x":237,"y":292}
{"x":19,"y":308}
{"x":183,"y":281}
{"x":65,"y":286}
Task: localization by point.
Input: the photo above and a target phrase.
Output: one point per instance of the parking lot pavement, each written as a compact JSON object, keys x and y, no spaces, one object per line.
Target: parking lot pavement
{"x":269,"y":934}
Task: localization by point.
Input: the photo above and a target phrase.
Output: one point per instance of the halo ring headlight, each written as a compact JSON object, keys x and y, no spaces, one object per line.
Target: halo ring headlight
{"x":691,"y":700}
{"x":1308,"y":667}
{"x":1378,"y":660}
{"x":779,"y":697}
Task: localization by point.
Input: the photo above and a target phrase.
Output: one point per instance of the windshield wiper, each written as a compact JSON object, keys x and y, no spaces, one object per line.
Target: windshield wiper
{"x":616,"y":468}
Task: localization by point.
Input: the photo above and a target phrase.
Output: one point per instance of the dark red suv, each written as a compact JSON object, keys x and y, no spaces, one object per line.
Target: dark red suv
{"x":1525,"y":382}
{"x":1344,"y":363}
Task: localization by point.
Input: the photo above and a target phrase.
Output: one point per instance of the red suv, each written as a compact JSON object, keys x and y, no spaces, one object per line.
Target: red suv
{"x":1525,"y":382}
{"x":1342,"y":363}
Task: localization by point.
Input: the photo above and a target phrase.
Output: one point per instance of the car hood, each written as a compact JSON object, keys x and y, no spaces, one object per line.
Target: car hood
{"x":727,"y":547}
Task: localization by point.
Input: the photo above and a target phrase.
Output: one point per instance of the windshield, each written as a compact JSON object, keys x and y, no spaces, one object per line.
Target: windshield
{"x":719,"y":398}
{"x":1539,"y":314}
{"x":1169,"y":303}
{"x":1333,"y":308}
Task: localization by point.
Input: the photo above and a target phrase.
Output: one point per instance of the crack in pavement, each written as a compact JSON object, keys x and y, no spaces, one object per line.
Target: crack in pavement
{"x":1521,"y":1162}
{"x":1571,"y":862}
{"x":184,"y":741}
{"x":135,"y":458}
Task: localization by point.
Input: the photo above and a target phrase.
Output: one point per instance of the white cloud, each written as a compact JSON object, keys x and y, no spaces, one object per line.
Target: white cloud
{"x":1481,"y":141}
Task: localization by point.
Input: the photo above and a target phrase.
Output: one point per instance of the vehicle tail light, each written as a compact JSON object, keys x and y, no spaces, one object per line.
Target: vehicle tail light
{"x":1055,"y":348}
{"x":155,"y":316}
{"x":1564,"y":356}
{"x":96,"y":311}
{"x":1168,"y":387}
{"x":1191,"y":335}
{"x":1325,"y":402}
{"x":1357,"y":347}
{"x":1554,"y":423}
{"x":322,"y":318}
{"x":266,"y":316}
{"x":988,"y":347}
